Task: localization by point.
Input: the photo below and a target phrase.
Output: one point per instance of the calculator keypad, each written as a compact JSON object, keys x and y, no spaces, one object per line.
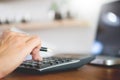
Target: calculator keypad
{"x":50,"y":61}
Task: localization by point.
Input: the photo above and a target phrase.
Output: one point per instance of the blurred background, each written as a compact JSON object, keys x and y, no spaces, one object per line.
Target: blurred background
{"x":66,"y":26}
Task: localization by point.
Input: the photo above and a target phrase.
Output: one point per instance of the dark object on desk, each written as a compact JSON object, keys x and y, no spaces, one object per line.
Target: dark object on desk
{"x":58,"y":16}
{"x":53,"y":64}
{"x":108,"y":36}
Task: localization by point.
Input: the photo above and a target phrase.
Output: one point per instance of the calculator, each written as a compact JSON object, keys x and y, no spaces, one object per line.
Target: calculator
{"x":54,"y":63}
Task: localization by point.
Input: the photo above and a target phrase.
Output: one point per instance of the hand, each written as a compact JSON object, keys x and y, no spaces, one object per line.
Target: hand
{"x":14,"y":47}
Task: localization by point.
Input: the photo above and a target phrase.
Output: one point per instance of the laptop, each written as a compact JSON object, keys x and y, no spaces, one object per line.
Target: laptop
{"x":107,"y":43}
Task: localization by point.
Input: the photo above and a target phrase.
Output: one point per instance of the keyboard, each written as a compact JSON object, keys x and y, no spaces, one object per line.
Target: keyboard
{"x":53,"y":64}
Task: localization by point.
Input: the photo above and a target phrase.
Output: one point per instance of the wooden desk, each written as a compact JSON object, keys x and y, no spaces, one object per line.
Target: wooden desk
{"x":87,"y":72}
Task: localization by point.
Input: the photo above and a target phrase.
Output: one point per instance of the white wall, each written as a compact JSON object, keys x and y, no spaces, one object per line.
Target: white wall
{"x":64,"y":40}
{"x":39,"y":9}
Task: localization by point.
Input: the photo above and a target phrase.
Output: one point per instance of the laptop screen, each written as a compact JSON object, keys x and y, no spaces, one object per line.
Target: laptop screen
{"x":108,"y":33}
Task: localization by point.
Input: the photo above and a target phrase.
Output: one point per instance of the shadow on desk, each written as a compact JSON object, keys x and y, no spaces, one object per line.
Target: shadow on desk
{"x":87,"y":72}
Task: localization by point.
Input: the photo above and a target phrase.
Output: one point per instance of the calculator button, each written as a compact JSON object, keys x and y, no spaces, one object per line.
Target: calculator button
{"x":47,"y":62}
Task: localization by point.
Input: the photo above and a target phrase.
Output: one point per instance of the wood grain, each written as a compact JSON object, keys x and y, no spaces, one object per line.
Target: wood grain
{"x":87,"y":72}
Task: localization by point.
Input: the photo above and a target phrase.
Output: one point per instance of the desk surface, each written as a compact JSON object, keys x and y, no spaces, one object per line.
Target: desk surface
{"x":87,"y":72}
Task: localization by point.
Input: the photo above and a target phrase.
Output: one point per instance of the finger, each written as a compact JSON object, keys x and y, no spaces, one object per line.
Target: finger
{"x":6,"y":34}
{"x":10,"y":34}
{"x":36,"y":49}
{"x":32,"y":43}
{"x":15,"y":35}
{"x":18,"y":38}
{"x":23,"y":37}
{"x":35,"y":55}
